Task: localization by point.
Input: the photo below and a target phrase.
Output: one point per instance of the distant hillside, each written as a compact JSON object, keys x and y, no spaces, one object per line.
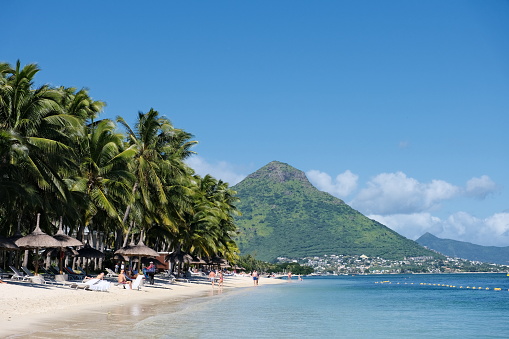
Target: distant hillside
{"x":466,"y":250}
{"x":284,"y":215}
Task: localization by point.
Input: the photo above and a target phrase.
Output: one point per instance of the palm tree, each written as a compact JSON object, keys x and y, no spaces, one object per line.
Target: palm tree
{"x":34,"y":141}
{"x":160,"y":150}
{"x":103,"y":179}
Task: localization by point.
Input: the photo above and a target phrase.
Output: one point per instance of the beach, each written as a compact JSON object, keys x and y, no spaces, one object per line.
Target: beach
{"x":33,"y":308}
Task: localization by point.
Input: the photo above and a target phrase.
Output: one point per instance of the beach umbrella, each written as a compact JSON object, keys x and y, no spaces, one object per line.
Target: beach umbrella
{"x":178,"y":257}
{"x":138,"y":250}
{"x":35,"y":240}
{"x":89,"y":252}
{"x":7,"y":244}
{"x":55,"y":252}
{"x":65,"y":241}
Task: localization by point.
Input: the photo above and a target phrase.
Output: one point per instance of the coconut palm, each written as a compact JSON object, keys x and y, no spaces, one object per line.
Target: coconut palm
{"x":103,"y":179}
{"x":160,"y":150}
{"x":34,"y":141}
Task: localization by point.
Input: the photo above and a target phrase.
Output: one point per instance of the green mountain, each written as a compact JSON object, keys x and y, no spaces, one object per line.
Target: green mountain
{"x":466,"y":250}
{"x":283,"y":215}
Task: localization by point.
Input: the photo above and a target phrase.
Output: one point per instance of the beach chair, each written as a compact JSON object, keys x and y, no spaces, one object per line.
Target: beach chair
{"x":138,"y":282}
{"x":73,"y":275}
{"x":84,"y":285}
{"x":63,"y":279}
{"x":17,"y":274}
{"x":110,"y":273}
{"x":93,"y":285}
{"x":36,"y":279}
{"x":4,"y":274}
{"x":27,"y":271}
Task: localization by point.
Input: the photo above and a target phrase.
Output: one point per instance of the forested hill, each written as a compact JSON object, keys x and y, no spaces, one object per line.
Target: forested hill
{"x":466,"y":250}
{"x":284,"y":215}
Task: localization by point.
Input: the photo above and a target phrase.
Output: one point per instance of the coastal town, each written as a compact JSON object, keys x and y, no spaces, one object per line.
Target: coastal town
{"x":362,"y":264}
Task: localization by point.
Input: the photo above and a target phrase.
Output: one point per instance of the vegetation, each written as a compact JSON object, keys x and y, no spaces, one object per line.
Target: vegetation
{"x":283,"y":215}
{"x":249,"y":263}
{"x":58,"y":159}
{"x":465,"y":250}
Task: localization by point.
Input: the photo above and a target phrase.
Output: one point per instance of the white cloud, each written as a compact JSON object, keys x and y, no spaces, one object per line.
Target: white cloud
{"x":461,"y":226}
{"x":220,"y":170}
{"x":395,"y":193}
{"x":343,"y":185}
{"x":480,"y":187}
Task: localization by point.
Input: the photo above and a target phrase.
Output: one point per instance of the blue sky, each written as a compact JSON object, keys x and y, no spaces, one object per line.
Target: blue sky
{"x":400,"y":108}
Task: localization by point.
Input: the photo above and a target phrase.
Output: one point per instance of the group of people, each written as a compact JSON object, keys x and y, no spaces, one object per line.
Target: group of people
{"x":215,"y":275}
{"x":127,"y":279}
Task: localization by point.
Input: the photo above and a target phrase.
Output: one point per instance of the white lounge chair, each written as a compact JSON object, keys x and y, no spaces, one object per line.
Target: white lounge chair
{"x":110,"y":273}
{"x":138,"y":282}
{"x":63,"y":279}
{"x":17,"y":274}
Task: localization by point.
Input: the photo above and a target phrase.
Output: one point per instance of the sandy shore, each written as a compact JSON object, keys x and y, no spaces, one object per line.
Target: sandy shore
{"x":32,"y":308}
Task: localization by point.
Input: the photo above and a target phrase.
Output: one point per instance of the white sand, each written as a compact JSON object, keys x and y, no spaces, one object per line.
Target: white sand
{"x":31,"y":307}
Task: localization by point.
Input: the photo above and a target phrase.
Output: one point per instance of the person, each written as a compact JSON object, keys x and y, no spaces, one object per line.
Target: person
{"x":100,"y":276}
{"x":289,"y":276}
{"x":2,"y":282}
{"x":221,"y":278}
{"x":122,"y":266}
{"x":122,"y":279}
{"x":116,"y":268}
{"x":255,"y":277}
{"x":151,"y":271}
{"x":212,"y":277}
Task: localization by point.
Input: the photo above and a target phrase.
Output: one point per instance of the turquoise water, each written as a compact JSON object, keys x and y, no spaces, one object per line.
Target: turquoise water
{"x":347,"y":307}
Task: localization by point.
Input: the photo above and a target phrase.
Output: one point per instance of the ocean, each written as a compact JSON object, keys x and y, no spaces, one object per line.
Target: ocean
{"x":363,"y":306}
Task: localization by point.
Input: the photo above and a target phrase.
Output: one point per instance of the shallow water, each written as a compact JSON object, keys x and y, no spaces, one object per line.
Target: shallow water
{"x":334,"y":307}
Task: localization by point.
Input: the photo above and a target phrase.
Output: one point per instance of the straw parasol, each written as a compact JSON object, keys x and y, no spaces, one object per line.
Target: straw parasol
{"x":65,"y":241}
{"x":138,"y":250}
{"x":179,"y":257}
{"x":36,"y":240}
{"x":89,"y":252}
{"x":7,"y":244}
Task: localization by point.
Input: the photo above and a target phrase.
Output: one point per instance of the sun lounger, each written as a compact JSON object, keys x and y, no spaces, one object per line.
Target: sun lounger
{"x":138,"y":282}
{"x":93,"y":285}
{"x":4,"y":274}
{"x":36,"y":279}
{"x":73,"y":275}
{"x":63,"y":280}
{"x":110,"y":273}
{"x":17,"y":274}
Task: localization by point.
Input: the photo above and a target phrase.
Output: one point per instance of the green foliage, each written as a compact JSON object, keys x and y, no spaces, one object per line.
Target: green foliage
{"x":284,"y":215}
{"x":465,"y":250}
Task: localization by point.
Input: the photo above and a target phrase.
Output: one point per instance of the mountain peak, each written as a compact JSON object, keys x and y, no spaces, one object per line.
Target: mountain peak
{"x":279,"y":172}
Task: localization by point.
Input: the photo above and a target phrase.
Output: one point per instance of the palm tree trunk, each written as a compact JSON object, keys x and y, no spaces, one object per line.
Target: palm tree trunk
{"x":126,"y":214}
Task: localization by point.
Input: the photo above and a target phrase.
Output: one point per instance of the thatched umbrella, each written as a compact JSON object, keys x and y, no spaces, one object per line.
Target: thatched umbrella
{"x":55,"y":252}
{"x":36,"y":240}
{"x":89,"y":252}
{"x":65,"y":241}
{"x":179,"y":258}
{"x":7,"y":244}
{"x":138,"y":250}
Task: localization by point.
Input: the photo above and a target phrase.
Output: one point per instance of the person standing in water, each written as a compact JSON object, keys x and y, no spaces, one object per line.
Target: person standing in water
{"x":255,"y":277}
{"x":212,"y":277}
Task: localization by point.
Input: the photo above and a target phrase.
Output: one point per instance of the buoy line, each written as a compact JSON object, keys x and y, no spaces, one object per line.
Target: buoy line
{"x":443,"y":285}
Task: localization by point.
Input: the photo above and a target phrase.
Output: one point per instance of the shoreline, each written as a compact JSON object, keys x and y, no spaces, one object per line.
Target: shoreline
{"x":29,"y":309}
